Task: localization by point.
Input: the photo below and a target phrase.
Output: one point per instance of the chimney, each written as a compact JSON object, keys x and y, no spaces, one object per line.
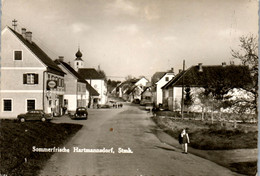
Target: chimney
{"x":28,"y":36}
{"x":172,"y":70}
{"x":61,"y":58}
{"x":232,"y":63}
{"x":224,"y":64}
{"x":200,"y":67}
{"x":180,"y":70}
{"x":23,"y":32}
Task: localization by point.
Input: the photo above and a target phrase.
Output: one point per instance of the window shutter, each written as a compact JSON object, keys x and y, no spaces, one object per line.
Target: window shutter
{"x":24,"y":78}
{"x":36,"y":78}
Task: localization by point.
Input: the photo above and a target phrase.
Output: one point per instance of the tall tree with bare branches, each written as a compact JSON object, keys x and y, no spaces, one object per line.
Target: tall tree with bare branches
{"x":248,"y":55}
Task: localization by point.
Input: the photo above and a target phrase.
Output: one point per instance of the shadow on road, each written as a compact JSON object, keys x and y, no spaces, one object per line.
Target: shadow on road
{"x":164,"y":148}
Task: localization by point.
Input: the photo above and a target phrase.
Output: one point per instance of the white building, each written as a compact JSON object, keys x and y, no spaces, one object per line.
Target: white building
{"x":29,"y":78}
{"x":94,"y":78}
{"x":75,"y":92}
{"x":162,"y":81}
{"x":141,"y":82}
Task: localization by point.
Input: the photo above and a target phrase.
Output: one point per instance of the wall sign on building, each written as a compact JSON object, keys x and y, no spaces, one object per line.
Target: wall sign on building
{"x":51,"y":84}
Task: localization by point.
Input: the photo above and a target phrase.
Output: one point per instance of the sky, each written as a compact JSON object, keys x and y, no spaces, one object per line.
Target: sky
{"x":136,"y":37}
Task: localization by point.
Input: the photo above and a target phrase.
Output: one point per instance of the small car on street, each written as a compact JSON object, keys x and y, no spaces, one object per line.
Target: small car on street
{"x":149,"y":106}
{"x":81,"y":113}
{"x":34,"y":115}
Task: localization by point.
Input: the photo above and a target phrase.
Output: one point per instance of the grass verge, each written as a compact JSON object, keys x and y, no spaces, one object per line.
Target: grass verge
{"x":205,"y":136}
{"x":17,"y":140}
{"x":248,"y":168}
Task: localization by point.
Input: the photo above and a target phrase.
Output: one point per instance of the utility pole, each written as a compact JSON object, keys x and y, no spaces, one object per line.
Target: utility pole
{"x":182,"y":92}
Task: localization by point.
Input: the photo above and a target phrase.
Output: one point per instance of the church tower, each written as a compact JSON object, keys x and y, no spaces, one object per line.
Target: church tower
{"x":78,"y":62}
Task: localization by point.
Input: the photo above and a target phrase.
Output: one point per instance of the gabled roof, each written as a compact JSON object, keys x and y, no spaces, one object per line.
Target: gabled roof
{"x":91,"y":90}
{"x":173,"y":80}
{"x":145,"y":89}
{"x":51,"y":66}
{"x":129,"y":82}
{"x":72,"y":71}
{"x":165,"y":74}
{"x":90,"y":73}
{"x":233,"y":76}
{"x":130,"y":90}
{"x":157,"y":76}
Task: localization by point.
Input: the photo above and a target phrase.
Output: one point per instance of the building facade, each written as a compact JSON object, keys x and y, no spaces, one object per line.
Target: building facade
{"x":198,"y":78}
{"x":76,"y":93}
{"x":162,"y":81}
{"x":29,"y":78}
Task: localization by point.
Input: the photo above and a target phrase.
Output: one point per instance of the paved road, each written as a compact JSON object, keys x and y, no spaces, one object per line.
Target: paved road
{"x":125,"y":128}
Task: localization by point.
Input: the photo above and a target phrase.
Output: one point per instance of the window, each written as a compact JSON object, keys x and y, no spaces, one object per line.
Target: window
{"x":30,"y":78}
{"x":17,"y":55}
{"x":7,"y":105}
{"x":30,"y":105}
{"x":166,"y":78}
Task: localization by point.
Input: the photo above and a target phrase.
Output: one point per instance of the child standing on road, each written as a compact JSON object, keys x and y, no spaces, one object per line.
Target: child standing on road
{"x":185,"y":141}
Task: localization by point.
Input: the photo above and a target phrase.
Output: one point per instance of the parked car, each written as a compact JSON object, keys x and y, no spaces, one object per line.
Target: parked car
{"x":81,"y":113}
{"x":149,"y":106}
{"x":105,"y":106}
{"x":136,"y":101}
{"x":34,"y":115}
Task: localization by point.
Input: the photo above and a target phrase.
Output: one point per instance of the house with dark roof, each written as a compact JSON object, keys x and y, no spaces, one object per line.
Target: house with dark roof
{"x":147,"y":96}
{"x":156,"y":77}
{"x":93,"y":77}
{"x":97,"y":81}
{"x":166,"y":77}
{"x":30,"y":79}
{"x":123,"y":87}
{"x":78,"y":92}
{"x":131,"y":89}
{"x":198,"y":77}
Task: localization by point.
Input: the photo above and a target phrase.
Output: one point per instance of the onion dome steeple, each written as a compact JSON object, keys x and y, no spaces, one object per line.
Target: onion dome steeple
{"x":78,"y":55}
{"x":78,"y":62}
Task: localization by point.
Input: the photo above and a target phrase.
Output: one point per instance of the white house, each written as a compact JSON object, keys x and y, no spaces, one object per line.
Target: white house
{"x":197,"y":78}
{"x":142,"y":82}
{"x":75,"y":92}
{"x":97,"y":81}
{"x":159,"y":84}
{"x":94,"y":78}
{"x":29,"y":78}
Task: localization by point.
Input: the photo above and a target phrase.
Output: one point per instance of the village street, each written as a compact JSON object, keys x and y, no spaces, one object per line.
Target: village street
{"x":128,"y":127}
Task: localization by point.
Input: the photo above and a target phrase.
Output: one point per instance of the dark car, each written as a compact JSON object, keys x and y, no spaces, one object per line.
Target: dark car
{"x":34,"y":115}
{"x":81,"y":113}
{"x":149,"y":106}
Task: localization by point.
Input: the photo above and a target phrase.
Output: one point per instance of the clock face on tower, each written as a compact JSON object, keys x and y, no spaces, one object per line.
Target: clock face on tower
{"x":95,"y":86}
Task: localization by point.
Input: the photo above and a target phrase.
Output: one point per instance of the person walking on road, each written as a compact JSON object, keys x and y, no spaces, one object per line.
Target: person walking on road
{"x":185,"y":140}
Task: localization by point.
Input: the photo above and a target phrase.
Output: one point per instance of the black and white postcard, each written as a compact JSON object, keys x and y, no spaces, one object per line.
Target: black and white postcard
{"x":129,"y":87}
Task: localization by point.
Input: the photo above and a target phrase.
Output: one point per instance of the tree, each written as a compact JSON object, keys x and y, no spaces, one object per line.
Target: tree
{"x":188,"y":99}
{"x":129,"y":77}
{"x":248,"y":56}
{"x":101,"y":72}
